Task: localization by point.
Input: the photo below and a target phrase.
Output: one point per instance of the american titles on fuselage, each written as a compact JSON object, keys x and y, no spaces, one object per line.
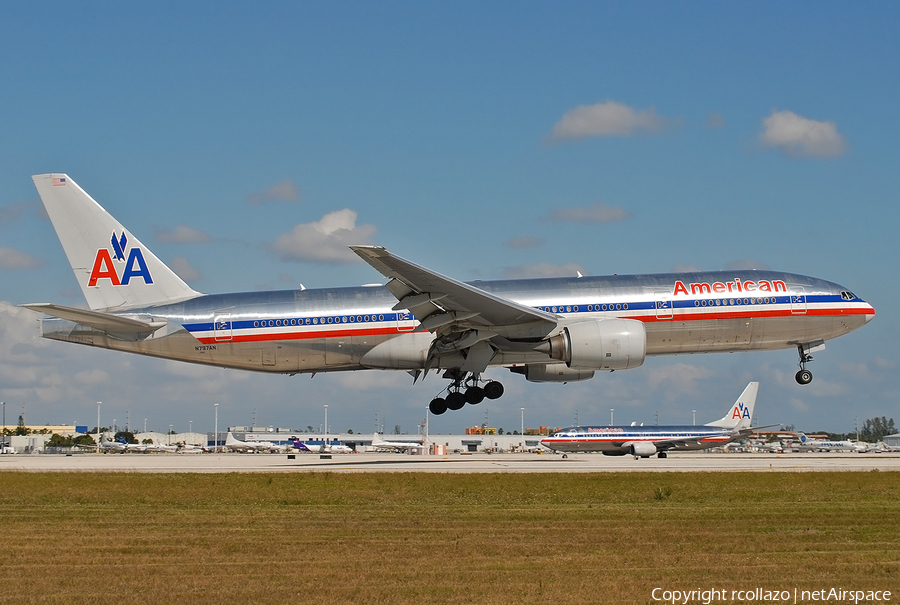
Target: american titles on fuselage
{"x":733,"y":286}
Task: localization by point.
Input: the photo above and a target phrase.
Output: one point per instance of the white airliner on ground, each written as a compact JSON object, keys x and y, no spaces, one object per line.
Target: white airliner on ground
{"x":646,"y":441}
{"x":549,"y":330}
{"x":809,"y":444}
{"x":394,"y":446}
{"x":320,"y":448}
{"x":119,"y":446}
{"x":236,"y":445}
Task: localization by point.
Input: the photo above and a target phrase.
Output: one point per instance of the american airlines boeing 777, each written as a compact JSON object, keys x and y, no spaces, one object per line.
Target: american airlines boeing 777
{"x":549,"y":330}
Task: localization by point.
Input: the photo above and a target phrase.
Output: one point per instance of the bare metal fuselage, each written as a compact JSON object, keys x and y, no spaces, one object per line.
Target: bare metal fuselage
{"x":355,"y":328}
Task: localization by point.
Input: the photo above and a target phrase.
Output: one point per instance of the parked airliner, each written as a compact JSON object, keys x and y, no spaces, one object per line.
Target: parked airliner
{"x":646,"y":441}
{"x":382,"y":444}
{"x":549,"y":330}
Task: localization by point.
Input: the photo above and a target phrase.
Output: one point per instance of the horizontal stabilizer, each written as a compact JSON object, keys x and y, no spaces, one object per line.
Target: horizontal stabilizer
{"x":97,"y":320}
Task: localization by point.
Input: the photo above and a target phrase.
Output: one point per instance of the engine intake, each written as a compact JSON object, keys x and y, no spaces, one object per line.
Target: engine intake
{"x":603,"y":344}
{"x":644,"y":449}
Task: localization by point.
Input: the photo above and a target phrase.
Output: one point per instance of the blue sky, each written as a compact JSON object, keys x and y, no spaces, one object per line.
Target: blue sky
{"x":483,"y":140}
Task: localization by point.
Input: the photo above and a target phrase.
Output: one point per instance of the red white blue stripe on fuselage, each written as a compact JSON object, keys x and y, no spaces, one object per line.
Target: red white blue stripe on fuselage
{"x":612,"y":438}
{"x":374,"y":323}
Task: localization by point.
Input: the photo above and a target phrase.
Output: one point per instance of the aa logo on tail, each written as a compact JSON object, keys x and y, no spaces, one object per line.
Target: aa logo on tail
{"x":134,"y":265}
{"x":740,"y":412}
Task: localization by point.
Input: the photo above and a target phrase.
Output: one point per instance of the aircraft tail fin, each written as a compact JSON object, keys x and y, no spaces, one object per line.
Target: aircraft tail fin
{"x":114,"y":269}
{"x":740,"y":414}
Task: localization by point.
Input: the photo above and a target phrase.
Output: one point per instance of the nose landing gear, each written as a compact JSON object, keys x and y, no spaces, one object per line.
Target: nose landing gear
{"x":804,"y":376}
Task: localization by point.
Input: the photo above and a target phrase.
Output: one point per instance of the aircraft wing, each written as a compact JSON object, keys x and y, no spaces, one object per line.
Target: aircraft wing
{"x":698,"y":441}
{"x":436,"y":300}
{"x":97,"y":319}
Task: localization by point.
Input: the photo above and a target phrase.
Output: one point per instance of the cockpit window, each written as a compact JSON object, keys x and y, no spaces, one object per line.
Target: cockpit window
{"x":847,"y":295}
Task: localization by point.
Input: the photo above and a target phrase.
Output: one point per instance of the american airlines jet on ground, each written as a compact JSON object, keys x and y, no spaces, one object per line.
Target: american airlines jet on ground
{"x":549,"y":330}
{"x":646,"y":441}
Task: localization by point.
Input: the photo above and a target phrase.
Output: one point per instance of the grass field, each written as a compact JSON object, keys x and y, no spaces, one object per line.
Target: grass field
{"x":430,"y":538}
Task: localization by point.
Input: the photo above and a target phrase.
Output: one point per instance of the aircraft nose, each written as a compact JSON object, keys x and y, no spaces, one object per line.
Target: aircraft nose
{"x":871,"y":313}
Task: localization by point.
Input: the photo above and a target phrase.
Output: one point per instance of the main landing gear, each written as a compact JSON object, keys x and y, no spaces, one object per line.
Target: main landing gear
{"x":804,"y":376}
{"x":462,"y":390}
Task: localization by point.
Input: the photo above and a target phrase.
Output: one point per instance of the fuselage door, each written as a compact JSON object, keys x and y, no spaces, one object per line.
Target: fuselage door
{"x":664,"y":305}
{"x":222,"y":327}
{"x":798,"y":301}
{"x":405,"y":321}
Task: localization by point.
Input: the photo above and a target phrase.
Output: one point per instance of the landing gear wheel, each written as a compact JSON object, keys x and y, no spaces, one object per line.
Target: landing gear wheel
{"x":803,"y":377}
{"x":437,"y":406}
{"x":661,"y":455}
{"x":493,"y":390}
{"x":456,"y":401}
{"x":474,"y":395}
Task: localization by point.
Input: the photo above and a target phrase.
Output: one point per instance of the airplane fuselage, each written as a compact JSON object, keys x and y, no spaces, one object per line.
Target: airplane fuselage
{"x":615,"y":438}
{"x":293,"y":331}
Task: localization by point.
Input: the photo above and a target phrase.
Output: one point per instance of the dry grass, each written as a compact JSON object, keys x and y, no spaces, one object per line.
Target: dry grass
{"x":426,"y":538}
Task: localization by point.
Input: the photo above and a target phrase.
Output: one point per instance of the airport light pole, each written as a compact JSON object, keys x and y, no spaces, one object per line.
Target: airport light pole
{"x":694,"y":417}
{"x":612,"y":412}
{"x":98,"y":427}
{"x":216,"y":433}
{"x":326,"y":423}
{"x":522,"y":433}
{"x":3,"y":403}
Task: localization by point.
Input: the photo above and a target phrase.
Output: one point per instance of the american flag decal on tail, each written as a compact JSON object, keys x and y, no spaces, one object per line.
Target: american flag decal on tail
{"x":59,"y":182}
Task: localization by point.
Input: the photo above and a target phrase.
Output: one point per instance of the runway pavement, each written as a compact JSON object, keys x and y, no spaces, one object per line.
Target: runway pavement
{"x":453,"y":463}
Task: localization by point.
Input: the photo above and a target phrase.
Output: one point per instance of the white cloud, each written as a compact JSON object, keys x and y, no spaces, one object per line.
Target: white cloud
{"x":92,"y":377}
{"x":605,"y":119}
{"x":525,"y":241}
{"x":716,"y":120}
{"x":10,"y":213}
{"x":595,"y":213}
{"x":542,"y":270}
{"x":182,"y":234}
{"x":682,"y":268}
{"x":183,"y":268}
{"x":746,"y":263}
{"x":325,"y":240}
{"x":799,"y":136}
{"x":11,"y":258}
{"x":285,"y":191}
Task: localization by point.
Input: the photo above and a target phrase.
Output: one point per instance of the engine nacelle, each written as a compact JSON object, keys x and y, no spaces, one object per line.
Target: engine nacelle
{"x":405,"y":352}
{"x":552,"y":372}
{"x":644,"y":449}
{"x":601,"y":344}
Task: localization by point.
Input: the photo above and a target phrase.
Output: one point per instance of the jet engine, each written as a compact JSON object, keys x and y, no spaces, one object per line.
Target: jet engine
{"x":643,"y":449}
{"x":552,"y":372}
{"x":601,"y":344}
